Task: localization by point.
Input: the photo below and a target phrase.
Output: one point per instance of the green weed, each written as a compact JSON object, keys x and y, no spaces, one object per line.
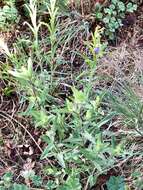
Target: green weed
{"x":113,"y":15}
{"x":8,"y":16}
{"x":78,"y":145}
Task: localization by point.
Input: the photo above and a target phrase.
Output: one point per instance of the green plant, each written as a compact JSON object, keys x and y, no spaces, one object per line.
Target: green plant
{"x":38,"y":87}
{"x":112,"y":15}
{"x":75,"y":143}
{"x":116,"y":183}
{"x":52,"y":27}
{"x":6,"y":180}
{"x":137,"y":178}
{"x":75,"y":135}
{"x":35,"y":83}
{"x":71,"y":183}
{"x":32,"y":10}
{"x":95,"y":49}
{"x":8,"y":15}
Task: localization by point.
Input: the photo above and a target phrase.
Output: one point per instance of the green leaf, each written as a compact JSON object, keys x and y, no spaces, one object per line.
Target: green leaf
{"x":50,"y":185}
{"x":60,"y":158}
{"x":121,"y":6}
{"x":79,"y":96}
{"x":40,"y":117}
{"x":30,"y":66}
{"x":116,"y":25}
{"x":108,"y":11}
{"x":112,"y":6}
{"x":114,"y":13}
{"x":92,"y":180}
{"x":28,"y":174}
{"x":37,"y":180}
{"x":23,"y":73}
{"x":99,"y":15}
{"x":88,"y":137}
{"x":116,"y":183}
{"x":106,"y":20}
{"x":70,"y":106}
{"x":91,"y":63}
{"x":135,"y":7}
{"x":2,"y":188}
{"x":72,"y":183}
{"x":7,"y":177}
{"x":20,"y":187}
{"x":131,"y":7}
{"x":88,"y":115}
{"x":46,"y":151}
{"x":114,"y":2}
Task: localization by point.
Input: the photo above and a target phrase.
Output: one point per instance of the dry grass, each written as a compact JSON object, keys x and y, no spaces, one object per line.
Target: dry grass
{"x":125,"y":62}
